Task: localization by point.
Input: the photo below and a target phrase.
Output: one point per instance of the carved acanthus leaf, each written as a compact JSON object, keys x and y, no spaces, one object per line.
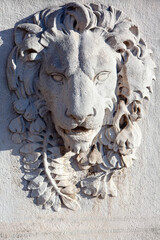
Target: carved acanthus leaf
{"x":48,"y":170}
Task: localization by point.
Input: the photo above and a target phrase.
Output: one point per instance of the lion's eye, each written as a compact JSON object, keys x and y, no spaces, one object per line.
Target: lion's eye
{"x":102,"y":76}
{"x":57,"y":77}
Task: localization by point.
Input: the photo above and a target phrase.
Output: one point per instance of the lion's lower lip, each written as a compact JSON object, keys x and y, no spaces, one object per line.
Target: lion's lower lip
{"x":78,"y":131}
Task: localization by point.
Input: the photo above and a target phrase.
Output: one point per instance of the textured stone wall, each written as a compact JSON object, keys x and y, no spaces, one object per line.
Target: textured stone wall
{"x":135,"y":212}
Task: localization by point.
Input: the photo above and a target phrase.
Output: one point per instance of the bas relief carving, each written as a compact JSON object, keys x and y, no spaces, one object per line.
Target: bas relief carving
{"x":81,"y":74}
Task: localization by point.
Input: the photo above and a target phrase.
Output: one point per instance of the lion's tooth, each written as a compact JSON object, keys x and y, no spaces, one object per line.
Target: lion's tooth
{"x":85,"y":147}
{"x":77,"y":149}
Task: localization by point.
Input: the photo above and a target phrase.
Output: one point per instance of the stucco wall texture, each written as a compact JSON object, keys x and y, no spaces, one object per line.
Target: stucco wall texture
{"x":135,"y":212}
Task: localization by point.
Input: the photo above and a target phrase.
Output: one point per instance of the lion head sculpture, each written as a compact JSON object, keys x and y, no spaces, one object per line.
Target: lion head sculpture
{"x":81,"y":74}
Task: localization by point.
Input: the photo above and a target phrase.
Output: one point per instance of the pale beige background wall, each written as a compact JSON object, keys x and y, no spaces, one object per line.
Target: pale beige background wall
{"x":135,"y":213}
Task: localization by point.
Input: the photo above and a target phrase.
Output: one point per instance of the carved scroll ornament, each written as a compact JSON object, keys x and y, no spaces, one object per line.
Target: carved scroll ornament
{"x":81,"y":74}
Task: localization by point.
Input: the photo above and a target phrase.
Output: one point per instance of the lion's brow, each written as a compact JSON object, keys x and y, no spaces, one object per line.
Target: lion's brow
{"x":59,"y":68}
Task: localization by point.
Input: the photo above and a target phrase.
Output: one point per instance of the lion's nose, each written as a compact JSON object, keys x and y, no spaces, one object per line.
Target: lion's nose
{"x":80,"y":117}
{"x":81,"y":101}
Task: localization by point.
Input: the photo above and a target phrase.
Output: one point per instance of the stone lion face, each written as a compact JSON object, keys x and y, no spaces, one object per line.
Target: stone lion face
{"x":77,"y":80}
{"x":68,"y":62}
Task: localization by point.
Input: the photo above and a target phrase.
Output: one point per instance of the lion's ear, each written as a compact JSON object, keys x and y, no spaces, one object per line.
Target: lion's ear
{"x":24,"y":58}
{"x":27,"y":41}
{"x":22,"y":30}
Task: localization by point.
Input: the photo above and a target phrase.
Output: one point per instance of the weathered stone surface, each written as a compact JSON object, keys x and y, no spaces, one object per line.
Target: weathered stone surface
{"x":134,"y":214}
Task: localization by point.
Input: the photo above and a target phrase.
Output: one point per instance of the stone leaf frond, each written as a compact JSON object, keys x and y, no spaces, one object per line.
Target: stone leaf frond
{"x":48,"y":170}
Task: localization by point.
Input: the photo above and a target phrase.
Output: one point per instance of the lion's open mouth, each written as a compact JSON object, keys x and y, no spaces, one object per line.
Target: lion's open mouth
{"x":79,"y":138}
{"x":78,"y":134}
{"x":77,"y":130}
